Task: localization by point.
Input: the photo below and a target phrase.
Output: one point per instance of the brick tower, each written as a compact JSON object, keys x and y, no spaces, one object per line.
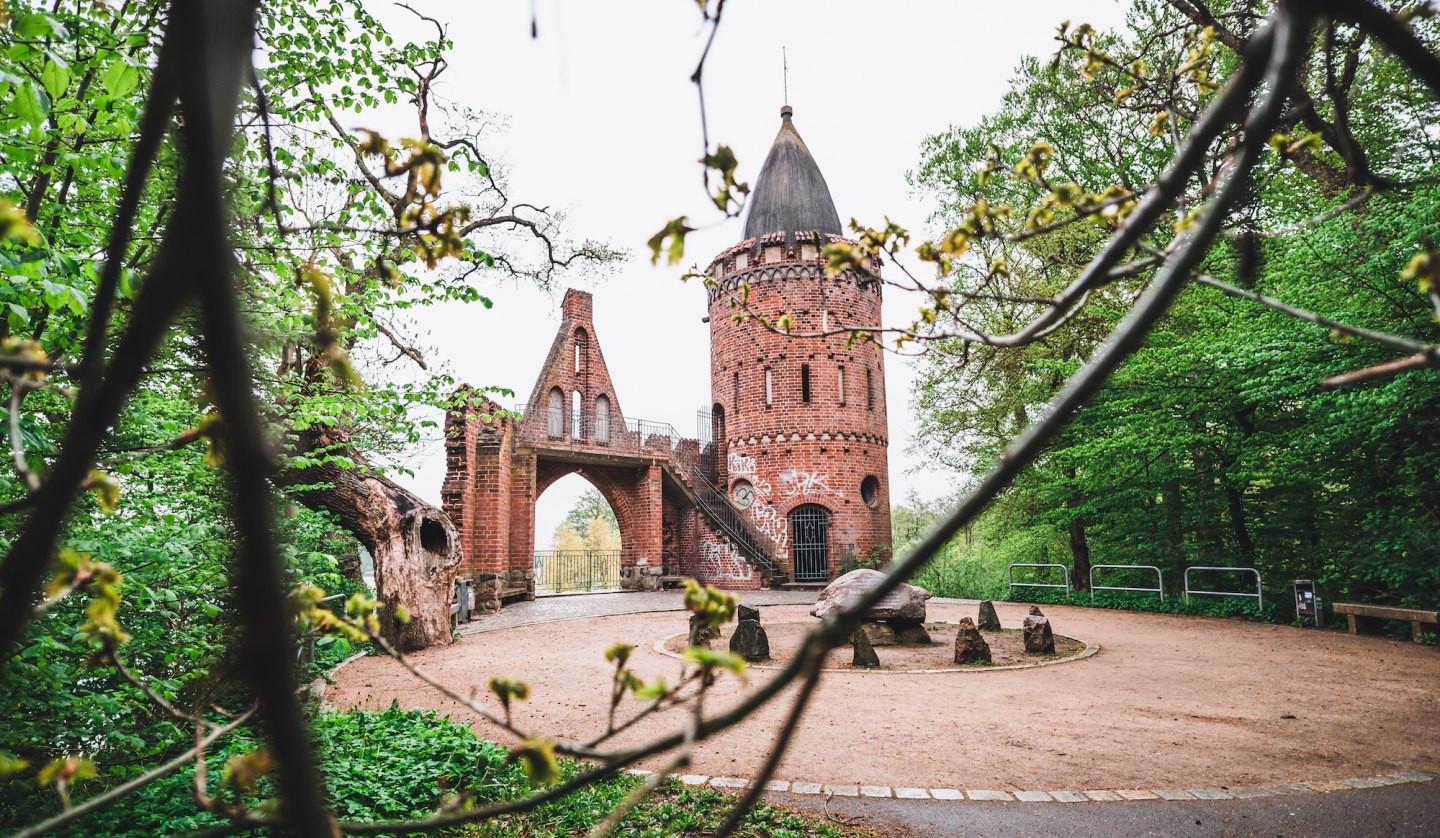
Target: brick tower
{"x":800,"y":422}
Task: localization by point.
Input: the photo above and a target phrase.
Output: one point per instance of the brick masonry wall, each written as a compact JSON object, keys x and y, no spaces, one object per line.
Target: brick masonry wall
{"x":796,"y":452}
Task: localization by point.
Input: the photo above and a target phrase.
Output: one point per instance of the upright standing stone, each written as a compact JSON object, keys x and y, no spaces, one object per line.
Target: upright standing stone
{"x":879,"y":634}
{"x":970,"y":647}
{"x":747,"y":612}
{"x":864,"y":652}
{"x":1039,"y":640}
{"x":701,"y":632}
{"x":989,"y":620}
{"x":749,"y":641}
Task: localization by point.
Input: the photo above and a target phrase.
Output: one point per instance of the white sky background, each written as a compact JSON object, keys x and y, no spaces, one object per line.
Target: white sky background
{"x":603,"y":123}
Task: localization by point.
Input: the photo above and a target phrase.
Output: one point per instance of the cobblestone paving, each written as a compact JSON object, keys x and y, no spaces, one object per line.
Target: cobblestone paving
{"x":575,"y":606}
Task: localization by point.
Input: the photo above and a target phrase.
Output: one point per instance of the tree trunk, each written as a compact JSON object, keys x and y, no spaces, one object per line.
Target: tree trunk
{"x":415,"y":546}
{"x":1237,"y":521}
{"x":1079,"y":544}
{"x":1174,"y":507}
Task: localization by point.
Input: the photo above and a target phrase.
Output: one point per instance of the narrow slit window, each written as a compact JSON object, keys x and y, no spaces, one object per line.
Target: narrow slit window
{"x":735,"y":393}
{"x":840,"y":384}
{"x":869,"y":390}
{"x":769,"y":388}
{"x":805,"y":383}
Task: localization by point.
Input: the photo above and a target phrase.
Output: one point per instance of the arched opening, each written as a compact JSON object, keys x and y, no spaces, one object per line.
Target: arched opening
{"x":602,"y":420}
{"x":555,"y":414}
{"x":577,"y":430}
{"x":577,"y":538}
{"x":810,"y":542}
{"x":582,"y":346}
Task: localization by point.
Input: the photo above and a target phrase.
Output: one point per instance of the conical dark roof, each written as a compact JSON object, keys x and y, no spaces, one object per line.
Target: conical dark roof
{"x":790,"y":194}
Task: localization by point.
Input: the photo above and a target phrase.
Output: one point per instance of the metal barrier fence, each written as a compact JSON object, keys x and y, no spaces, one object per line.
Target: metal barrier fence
{"x":1159,"y":579}
{"x":1259,"y":594}
{"x":559,"y":571}
{"x":1063,"y":569}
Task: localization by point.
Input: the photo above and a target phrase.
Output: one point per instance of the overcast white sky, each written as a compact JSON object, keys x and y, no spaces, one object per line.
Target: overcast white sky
{"x":603,"y":123}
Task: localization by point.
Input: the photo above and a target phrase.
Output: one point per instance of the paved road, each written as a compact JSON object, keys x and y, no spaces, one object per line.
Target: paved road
{"x":1411,"y":809}
{"x":548,"y":609}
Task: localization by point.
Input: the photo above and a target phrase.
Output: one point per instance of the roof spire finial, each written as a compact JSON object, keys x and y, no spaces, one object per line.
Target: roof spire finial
{"x":785,"y":75}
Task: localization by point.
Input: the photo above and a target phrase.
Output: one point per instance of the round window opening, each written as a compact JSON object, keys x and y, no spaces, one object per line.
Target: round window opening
{"x":743,"y":494}
{"x":870,"y":491}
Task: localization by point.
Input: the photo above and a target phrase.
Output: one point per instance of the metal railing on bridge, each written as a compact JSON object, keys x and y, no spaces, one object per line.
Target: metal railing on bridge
{"x":563,"y":571}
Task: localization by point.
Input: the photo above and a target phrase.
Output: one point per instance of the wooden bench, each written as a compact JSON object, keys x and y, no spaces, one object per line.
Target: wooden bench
{"x":1367,"y":618}
{"x":511,"y":593}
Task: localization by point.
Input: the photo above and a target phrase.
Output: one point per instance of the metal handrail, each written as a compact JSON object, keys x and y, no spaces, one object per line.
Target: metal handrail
{"x":1159,"y":579}
{"x":1259,"y":590}
{"x":1063,"y":569}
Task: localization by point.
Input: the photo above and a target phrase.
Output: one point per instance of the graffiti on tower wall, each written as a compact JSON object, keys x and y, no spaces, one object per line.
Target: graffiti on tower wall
{"x":766,"y":517}
{"x":796,"y":483}
{"x":740,"y":465}
{"x":721,"y":562}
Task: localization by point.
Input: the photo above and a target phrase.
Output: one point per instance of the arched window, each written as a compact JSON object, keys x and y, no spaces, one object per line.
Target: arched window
{"x":582,"y":345}
{"x":576,"y":426}
{"x":810,"y":542}
{"x":555,"y":414}
{"x":602,"y":420}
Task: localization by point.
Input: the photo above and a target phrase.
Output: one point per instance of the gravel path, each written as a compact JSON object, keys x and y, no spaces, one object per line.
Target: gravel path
{"x":1170,"y":702}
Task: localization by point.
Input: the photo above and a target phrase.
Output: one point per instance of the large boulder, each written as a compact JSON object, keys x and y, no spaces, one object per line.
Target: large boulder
{"x":905,"y":603}
{"x":1039,"y":639}
{"x":749,"y":641}
{"x":989,"y":620}
{"x":864,"y":652}
{"x":879,"y":634}
{"x":970,"y":647}
{"x":910,"y":634}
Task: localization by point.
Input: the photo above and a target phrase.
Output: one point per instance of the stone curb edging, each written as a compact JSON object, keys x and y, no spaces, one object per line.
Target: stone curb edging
{"x":1090,"y":650}
{"x":1064,"y":796}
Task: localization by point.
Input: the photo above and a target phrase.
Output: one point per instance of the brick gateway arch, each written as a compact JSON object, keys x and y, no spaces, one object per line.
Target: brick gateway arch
{"x":675,"y":522}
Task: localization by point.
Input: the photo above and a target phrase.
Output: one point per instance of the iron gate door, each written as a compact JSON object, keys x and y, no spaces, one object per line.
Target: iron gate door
{"x":809,"y":543}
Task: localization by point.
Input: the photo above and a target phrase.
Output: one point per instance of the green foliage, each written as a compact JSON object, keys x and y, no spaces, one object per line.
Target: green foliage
{"x":589,"y":525}
{"x":1213,"y":445}
{"x":405,"y":764}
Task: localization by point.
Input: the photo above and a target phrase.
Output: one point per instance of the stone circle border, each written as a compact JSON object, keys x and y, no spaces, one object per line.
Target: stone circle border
{"x":1090,"y":650}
